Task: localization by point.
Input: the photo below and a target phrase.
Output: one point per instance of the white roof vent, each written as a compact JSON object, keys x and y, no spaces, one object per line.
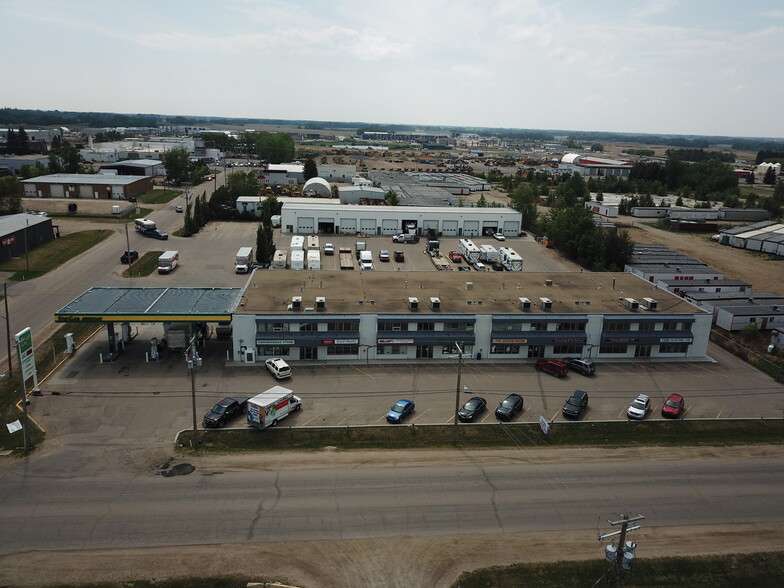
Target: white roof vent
{"x":650,"y":303}
{"x":435,"y":303}
{"x":630,"y":304}
{"x":525,"y":303}
{"x":545,"y":304}
{"x":413,"y":304}
{"x":321,"y":302}
{"x":296,"y":303}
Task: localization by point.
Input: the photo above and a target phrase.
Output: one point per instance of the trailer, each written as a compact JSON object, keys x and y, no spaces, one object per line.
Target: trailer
{"x":280,"y":259}
{"x":243,"y":261}
{"x":298,"y":259}
{"x":314,"y":259}
{"x":346,"y":258}
{"x":297,"y":243}
{"x":488,"y":254}
{"x":168,"y":262}
{"x":440,"y":262}
{"x":312,"y":243}
{"x":267,"y":408}
{"x":510,"y":259}
{"x":469,"y":250}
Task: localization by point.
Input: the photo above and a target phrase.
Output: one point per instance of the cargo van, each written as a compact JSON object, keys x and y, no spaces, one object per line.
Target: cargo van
{"x":168,"y":262}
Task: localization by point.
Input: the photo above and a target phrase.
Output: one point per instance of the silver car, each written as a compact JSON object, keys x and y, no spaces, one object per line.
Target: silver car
{"x":639,"y":407}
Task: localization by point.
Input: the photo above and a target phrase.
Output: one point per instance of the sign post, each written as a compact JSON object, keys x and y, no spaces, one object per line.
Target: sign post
{"x":24,"y":346}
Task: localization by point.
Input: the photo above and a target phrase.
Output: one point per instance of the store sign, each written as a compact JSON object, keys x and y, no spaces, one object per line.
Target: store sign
{"x":675,"y":340}
{"x":395,"y":341}
{"x":274,"y":341}
{"x":340,"y":342}
{"x":623,"y":340}
{"x":24,"y":342}
{"x":513,"y":341}
{"x":8,"y":241}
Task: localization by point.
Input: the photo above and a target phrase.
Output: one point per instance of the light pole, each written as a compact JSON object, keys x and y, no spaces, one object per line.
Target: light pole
{"x":7,"y":329}
{"x":193,"y":361}
{"x":457,"y":390}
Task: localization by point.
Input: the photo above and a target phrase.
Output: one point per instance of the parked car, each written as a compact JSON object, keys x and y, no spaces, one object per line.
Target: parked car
{"x":472,"y":408}
{"x":554,"y":367}
{"x":129,"y":257}
{"x":225,"y":410}
{"x":400,"y":410}
{"x":178,"y":208}
{"x":673,"y":407}
{"x":497,"y":267}
{"x":510,"y":406}
{"x":576,"y":404}
{"x":400,"y":256}
{"x":383,"y":255}
{"x":639,"y":407}
{"x":329,"y":249}
{"x":464,"y":268}
{"x":480,"y":267}
{"x":499,"y":237}
{"x":278,"y":368}
{"x":585,"y":366}
{"x":157,"y":234}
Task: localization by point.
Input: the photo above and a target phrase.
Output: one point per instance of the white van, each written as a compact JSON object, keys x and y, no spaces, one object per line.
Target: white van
{"x":278,"y":368}
{"x":480,"y":267}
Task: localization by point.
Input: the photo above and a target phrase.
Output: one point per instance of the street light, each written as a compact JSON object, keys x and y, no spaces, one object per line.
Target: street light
{"x":7,"y":329}
{"x":457,"y":389}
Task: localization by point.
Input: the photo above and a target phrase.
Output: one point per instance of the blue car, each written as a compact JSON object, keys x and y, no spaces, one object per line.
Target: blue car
{"x":400,"y":410}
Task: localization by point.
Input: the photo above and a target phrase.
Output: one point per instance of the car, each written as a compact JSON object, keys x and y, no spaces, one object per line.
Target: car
{"x":400,"y":256}
{"x":497,"y":267}
{"x":576,"y":404}
{"x":673,"y":407}
{"x":579,"y":364}
{"x":383,"y":255}
{"x":131,"y":199}
{"x":278,"y":368}
{"x":639,"y":407}
{"x":178,"y":208}
{"x":472,"y":408}
{"x":329,"y":249}
{"x":225,"y":410}
{"x":499,"y":237}
{"x":400,"y":410}
{"x":480,"y":267}
{"x":129,"y":257}
{"x":716,"y":237}
{"x":464,"y":268}
{"x":455,"y":257}
{"x":157,"y":234}
{"x":554,"y":367}
{"x":510,"y":406}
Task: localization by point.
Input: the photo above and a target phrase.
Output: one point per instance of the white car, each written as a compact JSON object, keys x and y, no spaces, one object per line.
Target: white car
{"x":639,"y":407}
{"x":329,"y":249}
{"x":499,"y":237}
{"x":383,"y":255}
{"x":278,"y":368}
{"x":178,"y":208}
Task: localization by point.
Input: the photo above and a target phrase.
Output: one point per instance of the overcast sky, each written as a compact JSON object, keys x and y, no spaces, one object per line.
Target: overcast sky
{"x":685,"y":67}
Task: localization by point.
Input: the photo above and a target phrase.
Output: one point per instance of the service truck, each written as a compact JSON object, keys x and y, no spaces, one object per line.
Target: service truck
{"x":168,"y":262}
{"x":267,"y":408}
{"x":243,"y":262}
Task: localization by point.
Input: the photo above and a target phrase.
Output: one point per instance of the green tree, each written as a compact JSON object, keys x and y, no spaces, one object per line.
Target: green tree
{"x":391,"y":197}
{"x":12,"y":142}
{"x":24,"y":142}
{"x":177,"y":163}
{"x":275,"y":148}
{"x":11,"y":192}
{"x":310,"y":170}
{"x":523,"y":200}
{"x":750,"y":178}
{"x":189,"y":225}
{"x":198,"y":173}
{"x":243,"y":184}
{"x":71,"y":158}
{"x":270,"y":207}
{"x":265,"y":246}
{"x":679,"y":201}
{"x":597,"y":147}
{"x":770,"y":176}
{"x":482,"y":202}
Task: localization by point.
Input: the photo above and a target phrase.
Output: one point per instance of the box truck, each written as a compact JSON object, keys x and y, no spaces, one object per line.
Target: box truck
{"x":243,"y":261}
{"x":267,"y":408}
{"x":168,"y":262}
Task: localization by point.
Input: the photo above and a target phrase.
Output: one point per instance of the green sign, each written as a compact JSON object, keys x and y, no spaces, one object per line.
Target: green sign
{"x":24,"y":342}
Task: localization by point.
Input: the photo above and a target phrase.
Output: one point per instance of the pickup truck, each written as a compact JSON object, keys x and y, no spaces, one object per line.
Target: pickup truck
{"x":225,"y":410}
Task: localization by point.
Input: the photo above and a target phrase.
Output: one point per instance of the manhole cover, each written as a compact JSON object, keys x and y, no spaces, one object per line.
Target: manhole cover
{"x":182,"y":469}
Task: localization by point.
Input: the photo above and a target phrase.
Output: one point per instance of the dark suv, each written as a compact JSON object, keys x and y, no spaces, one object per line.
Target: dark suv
{"x":129,"y":257}
{"x":576,"y":405}
{"x":585,"y":366}
{"x":554,"y":367}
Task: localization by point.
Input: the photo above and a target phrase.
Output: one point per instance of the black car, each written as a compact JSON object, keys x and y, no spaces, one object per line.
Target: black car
{"x":498,"y":267}
{"x":158,"y":234}
{"x":225,"y":410}
{"x":472,"y":408}
{"x":585,"y":366}
{"x":512,"y":405}
{"x":576,"y":405}
{"x":129,"y":257}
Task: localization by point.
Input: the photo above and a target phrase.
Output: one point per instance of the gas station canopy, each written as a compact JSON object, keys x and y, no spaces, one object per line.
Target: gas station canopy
{"x":151,"y":305}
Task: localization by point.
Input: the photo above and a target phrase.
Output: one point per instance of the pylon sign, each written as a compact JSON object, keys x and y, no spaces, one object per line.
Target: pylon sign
{"x":24,"y":343}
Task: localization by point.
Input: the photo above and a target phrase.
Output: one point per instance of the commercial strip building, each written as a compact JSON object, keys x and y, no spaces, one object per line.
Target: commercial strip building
{"x":411,"y":316}
{"x":99,"y":186}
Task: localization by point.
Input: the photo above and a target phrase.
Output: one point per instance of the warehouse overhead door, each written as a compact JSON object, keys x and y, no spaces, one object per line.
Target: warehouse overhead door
{"x":471,"y":228}
{"x":305,"y":225}
{"x":449,"y":228}
{"x":389,"y":226}
{"x":348,"y":225}
{"x":85,"y":191}
{"x":367,"y":226}
{"x":56,"y":190}
{"x":428,"y":225}
{"x":511,"y":227}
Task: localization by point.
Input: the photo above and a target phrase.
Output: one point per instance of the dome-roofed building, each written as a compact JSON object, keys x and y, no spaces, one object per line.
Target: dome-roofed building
{"x":317,"y":187}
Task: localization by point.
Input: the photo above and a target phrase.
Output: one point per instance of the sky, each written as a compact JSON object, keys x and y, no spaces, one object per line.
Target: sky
{"x":690,"y":67}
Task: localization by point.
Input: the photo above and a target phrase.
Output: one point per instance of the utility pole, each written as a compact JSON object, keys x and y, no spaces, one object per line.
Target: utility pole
{"x":193,"y":360}
{"x":8,"y":329}
{"x":622,"y":558}
{"x":457,"y":390}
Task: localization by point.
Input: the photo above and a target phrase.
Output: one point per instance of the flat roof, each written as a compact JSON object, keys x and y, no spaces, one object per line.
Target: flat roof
{"x":151,"y":305}
{"x":334,"y":205}
{"x":11,"y":223}
{"x":142,"y":163}
{"x":373,"y":292}
{"x":86,"y":179}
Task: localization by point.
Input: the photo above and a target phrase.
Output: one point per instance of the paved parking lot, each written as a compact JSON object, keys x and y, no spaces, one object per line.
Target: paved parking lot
{"x":150,"y":402}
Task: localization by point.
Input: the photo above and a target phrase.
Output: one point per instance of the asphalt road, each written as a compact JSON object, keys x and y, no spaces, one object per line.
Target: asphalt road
{"x":48,"y":504}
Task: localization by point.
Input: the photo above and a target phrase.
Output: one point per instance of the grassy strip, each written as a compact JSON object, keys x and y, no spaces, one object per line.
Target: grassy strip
{"x":159,"y":196}
{"x":524,"y":435}
{"x":143,"y":266}
{"x":53,"y":254}
{"x":48,"y":354}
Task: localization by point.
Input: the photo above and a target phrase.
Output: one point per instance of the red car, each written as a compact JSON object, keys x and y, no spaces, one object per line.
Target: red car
{"x":554,"y":367}
{"x":674,"y":406}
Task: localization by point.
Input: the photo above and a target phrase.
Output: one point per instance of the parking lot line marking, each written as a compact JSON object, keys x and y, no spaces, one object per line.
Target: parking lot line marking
{"x":348,"y":417}
{"x":620,"y":414}
{"x":718,"y":416}
{"x":552,"y":418}
{"x":363,"y":372}
{"x":314,"y":418}
{"x":419,"y":414}
{"x":449,"y":421}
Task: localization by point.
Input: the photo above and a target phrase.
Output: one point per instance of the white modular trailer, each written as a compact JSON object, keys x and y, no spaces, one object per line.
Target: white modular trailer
{"x":608,"y":210}
{"x":650,"y":211}
{"x":314,"y":259}
{"x":693,"y":214}
{"x":488,"y":253}
{"x":297,"y":259}
{"x":743,"y":214}
{"x":469,"y":250}
{"x":312,"y":243}
{"x":510,"y":259}
{"x":332,"y":217}
{"x":297,"y":243}
{"x":280,"y":259}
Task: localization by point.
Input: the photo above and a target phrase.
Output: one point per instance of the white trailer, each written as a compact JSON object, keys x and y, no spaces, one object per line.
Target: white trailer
{"x":297,"y":243}
{"x":280,"y":259}
{"x":243,"y":261}
{"x":267,"y":408}
{"x":314,"y":259}
{"x":488,"y":254}
{"x":510,"y":259}
{"x":312,"y":243}
{"x":469,"y":251}
{"x":298,"y":259}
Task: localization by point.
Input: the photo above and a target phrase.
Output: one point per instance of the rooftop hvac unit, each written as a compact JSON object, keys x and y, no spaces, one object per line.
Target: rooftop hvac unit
{"x":630,"y":304}
{"x":296,"y":303}
{"x":545,"y":304}
{"x":525,"y":303}
{"x":650,"y":303}
{"x":469,"y":285}
{"x":413,"y":304}
{"x":321,"y":302}
{"x":435,"y":303}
